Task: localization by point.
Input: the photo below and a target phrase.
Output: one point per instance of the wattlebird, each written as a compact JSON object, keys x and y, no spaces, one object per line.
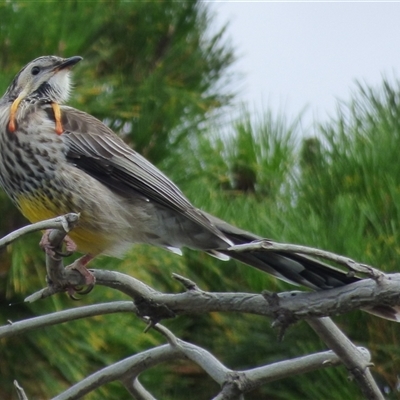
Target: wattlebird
{"x":55,"y":159}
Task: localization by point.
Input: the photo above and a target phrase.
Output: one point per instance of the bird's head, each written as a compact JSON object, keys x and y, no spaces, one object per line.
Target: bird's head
{"x":43,"y":79}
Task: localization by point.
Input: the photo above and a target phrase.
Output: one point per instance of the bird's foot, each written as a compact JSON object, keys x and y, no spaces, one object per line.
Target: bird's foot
{"x":45,"y":244}
{"x":70,"y":247}
{"x":79,"y":265}
{"x":90,"y":280}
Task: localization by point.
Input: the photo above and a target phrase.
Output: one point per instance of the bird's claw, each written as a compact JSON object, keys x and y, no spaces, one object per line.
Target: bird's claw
{"x":81,"y":290}
{"x":63,"y":253}
{"x":90,"y":279}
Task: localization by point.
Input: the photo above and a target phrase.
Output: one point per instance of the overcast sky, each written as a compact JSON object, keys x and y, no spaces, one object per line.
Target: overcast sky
{"x":310,"y":54}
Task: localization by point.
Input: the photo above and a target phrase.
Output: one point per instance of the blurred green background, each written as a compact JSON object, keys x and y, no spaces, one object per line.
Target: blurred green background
{"x":162,"y":76}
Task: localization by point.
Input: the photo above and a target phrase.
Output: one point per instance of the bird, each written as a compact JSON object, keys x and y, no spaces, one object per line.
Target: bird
{"x":56,"y":159}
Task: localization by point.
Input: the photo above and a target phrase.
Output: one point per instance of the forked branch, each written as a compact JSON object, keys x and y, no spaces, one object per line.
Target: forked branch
{"x":286,"y":308}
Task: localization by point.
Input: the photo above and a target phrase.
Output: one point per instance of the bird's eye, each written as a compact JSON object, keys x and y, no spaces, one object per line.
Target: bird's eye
{"x":35,"y":70}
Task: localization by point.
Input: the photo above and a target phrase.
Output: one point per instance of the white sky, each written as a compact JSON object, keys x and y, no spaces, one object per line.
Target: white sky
{"x":309,"y":54}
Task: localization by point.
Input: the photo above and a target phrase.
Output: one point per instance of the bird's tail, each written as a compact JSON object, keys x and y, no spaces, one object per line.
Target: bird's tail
{"x":295,"y":268}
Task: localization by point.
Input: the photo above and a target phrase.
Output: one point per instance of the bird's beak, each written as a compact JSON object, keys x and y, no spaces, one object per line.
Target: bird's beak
{"x":68,"y":63}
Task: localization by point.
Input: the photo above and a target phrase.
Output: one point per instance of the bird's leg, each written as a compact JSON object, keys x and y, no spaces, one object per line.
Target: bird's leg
{"x":57,"y":115}
{"x":79,"y":264}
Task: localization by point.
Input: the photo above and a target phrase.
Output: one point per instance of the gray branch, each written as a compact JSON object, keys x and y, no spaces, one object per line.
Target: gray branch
{"x":364,"y":294}
{"x":62,"y":223}
{"x":233,"y":383}
{"x":355,"y":360}
{"x":59,"y":317}
{"x":20,"y":391}
{"x":136,"y":389}
{"x":122,"y":370}
{"x":382,"y":290}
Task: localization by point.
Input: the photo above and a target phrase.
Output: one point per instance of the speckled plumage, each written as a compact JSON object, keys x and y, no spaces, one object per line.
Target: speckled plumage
{"x":122,"y":198}
{"x":44,"y":174}
{"x":38,"y":169}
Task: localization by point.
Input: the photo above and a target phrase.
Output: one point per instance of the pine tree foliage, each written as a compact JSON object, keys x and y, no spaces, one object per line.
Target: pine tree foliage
{"x":156,"y":74}
{"x":152,"y":71}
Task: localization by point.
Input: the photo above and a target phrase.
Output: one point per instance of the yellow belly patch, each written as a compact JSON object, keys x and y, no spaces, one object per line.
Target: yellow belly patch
{"x":37,"y":209}
{"x":89,"y":241}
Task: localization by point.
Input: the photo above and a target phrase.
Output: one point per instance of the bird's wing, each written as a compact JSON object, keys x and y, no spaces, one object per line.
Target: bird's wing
{"x":97,"y":150}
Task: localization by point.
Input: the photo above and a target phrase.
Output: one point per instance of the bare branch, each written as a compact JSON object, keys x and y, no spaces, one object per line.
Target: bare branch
{"x":244,"y":381}
{"x":18,"y":328}
{"x":240,"y":382}
{"x":131,"y":366}
{"x":362,"y":294}
{"x":283,"y":369}
{"x":234,"y":383}
{"x":355,"y":360}
{"x":63,"y":223}
{"x":70,"y":277}
{"x":201,"y":357}
{"x":286,"y":308}
{"x":185,"y":282}
{"x":366,"y":293}
{"x":136,"y":389}
{"x":20,"y":391}
{"x":385,"y":291}
{"x":229,"y":392}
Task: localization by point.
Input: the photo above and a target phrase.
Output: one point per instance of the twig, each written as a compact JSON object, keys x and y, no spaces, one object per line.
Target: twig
{"x":245,"y":381}
{"x":136,"y":389}
{"x":283,"y":369}
{"x":200,"y":356}
{"x":64,"y":223}
{"x":20,"y":327}
{"x":355,"y":361}
{"x":185,"y":282}
{"x":133,"y":365}
{"x":20,"y":391}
